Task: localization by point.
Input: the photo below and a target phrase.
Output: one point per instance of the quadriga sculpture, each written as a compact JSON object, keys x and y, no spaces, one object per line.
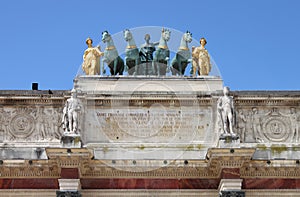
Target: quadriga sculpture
{"x":111,"y":56}
{"x":183,"y":55}
{"x":162,"y":55}
{"x":132,"y":58}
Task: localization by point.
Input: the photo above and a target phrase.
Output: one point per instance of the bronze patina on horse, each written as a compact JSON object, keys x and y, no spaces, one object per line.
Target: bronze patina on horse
{"x":111,"y":56}
{"x":132,"y":58}
{"x":162,"y":54}
{"x":183,"y":55}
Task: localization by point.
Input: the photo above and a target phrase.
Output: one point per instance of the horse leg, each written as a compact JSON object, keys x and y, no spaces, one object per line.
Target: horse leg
{"x":185,"y":63}
{"x":120,"y":66}
{"x":115,"y":66}
{"x":174,"y":67}
{"x":165,"y":68}
{"x":136,"y":66}
{"x":152,"y":68}
{"x":111,"y":69}
{"x":179,"y":66}
{"x":157,"y":67}
{"x":126,"y":66}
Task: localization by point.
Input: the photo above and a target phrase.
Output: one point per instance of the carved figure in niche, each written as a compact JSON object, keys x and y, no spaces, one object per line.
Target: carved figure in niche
{"x":294,"y":123}
{"x":146,"y":56}
{"x":241,"y":124}
{"x":2,"y":119}
{"x":54,"y":124}
{"x":43,"y":124}
{"x":183,"y":55}
{"x":111,"y":56}
{"x":201,"y":59}
{"x":71,"y":112}
{"x":162,"y":54}
{"x":91,"y":58}
{"x":132,"y":58}
{"x":226,"y":110}
{"x":256,"y":125}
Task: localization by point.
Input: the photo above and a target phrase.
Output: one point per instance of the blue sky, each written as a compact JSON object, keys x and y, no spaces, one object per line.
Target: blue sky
{"x":255,"y":43}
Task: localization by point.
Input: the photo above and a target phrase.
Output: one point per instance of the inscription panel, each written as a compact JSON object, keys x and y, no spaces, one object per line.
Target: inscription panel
{"x":154,"y":124}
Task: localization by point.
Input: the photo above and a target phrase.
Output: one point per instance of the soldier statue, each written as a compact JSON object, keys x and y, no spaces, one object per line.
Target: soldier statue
{"x":226,"y":111}
{"x":71,"y":112}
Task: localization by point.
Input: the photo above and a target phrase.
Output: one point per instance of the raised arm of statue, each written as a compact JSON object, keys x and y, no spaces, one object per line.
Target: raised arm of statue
{"x":97,"y":51}
{"x":155,"y":43}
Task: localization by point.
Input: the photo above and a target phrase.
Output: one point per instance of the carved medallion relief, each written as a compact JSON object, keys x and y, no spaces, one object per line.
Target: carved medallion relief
{"x":268,"y":124}
{"x":30,"y":124}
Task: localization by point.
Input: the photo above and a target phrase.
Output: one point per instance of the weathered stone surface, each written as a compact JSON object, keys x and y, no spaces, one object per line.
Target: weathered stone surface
{"x":150,"y":137}
{"x":117,"y":84}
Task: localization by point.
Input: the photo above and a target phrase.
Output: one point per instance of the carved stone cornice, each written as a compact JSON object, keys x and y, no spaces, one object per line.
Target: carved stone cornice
{"x":211,"y":168}
{"x":69,"y":158}
{"x":101,"y":169}
{"x":271,"y":169}
{"x":230,"y":158}
{"x":266,"y":101}
{"x":32,"y":100}
{"x":149,"y":100}
{"x":29,"y":169}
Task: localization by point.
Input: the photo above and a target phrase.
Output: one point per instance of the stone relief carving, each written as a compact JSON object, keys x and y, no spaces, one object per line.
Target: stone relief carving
{"x":42,"y":124}
{"x":4,"y":121}
{"x":48,"y":123}
{"x":275,"y":126}
{"x":241,"y":124}
{"x":256,"y":125}
{"x":21,"y":123}
{"x":267,"y":125}
{"x":263,"y":123}
{"x":294,"y":118}
{"x":29,"y":124}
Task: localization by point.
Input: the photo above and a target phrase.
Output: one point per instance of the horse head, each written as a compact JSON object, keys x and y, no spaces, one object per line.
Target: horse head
{"x":105,"y":36}
{"x":165,"y":34}
{"x":187,"y":36}
{"x":127,"y":35}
